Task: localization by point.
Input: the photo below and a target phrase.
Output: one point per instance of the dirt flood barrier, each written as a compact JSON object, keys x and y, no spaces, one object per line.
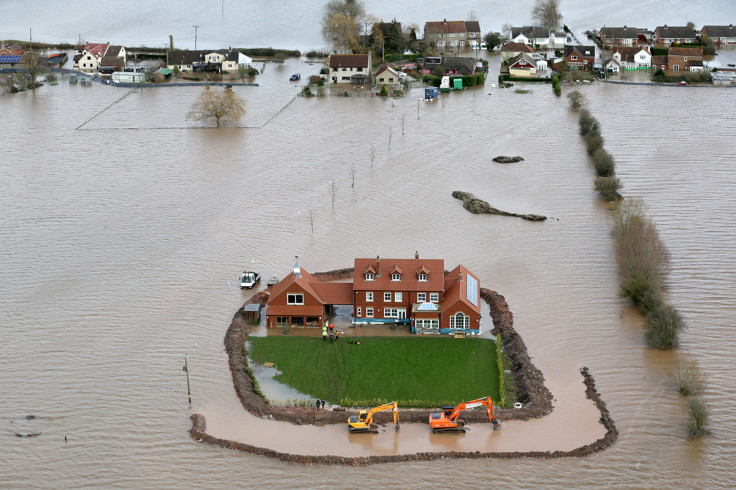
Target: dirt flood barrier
{"x":534,"y":396}
{"x":479,"y":206}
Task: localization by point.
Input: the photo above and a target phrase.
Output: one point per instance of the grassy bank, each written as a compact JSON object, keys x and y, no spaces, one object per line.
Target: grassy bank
{"x":418,"y":372}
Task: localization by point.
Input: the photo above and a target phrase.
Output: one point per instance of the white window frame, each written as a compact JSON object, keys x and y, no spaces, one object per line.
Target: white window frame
{"x":434,"y":297}
{"x":358,"y":312}
{"x":454,"y":321}
{"x":369,"y":276}
{"x":390,"y":313}
{"x":369,"y":296}
{"x":421,"y":297}
{"x":398,"y":297}
{"x":293,"y":299}
{"x":395,"y":276}
{"x":369,"y":312}
{"x":422,"y":277}
{"x":386,"y":297}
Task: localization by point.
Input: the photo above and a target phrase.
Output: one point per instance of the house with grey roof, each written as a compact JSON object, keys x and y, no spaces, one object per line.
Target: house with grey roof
{"x":620,"y":36}
{"x":452,"y":34}
{"x":667,"y":35}
{"x":721,"y":35}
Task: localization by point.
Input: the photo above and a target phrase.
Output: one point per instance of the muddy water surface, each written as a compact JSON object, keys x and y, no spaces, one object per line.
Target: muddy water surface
{"x":119,"y":244}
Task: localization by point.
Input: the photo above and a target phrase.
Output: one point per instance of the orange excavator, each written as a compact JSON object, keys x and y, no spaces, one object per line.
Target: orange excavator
{"x":446,"y":421}
{"x":364,"y":421}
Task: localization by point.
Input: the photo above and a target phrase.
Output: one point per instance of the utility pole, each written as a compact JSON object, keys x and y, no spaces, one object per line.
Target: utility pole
{"x":195,"y":37}
{"x":189,"y":390}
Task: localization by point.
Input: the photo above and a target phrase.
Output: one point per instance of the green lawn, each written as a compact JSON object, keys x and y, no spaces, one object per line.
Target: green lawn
{"x":418,"y":372}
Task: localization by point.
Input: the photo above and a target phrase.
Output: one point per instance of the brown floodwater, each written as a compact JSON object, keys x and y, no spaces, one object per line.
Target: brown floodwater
{"x":120,"y":244}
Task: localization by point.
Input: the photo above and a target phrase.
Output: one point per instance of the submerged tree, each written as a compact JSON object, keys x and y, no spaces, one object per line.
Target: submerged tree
{"x":343,"y":24}
{"x":547,"y":13}
{"x":225,"y":105}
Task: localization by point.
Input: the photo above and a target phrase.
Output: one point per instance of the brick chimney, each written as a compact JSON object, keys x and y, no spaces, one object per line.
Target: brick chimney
{"x":416,"y":254}
{"x":378,"y":265}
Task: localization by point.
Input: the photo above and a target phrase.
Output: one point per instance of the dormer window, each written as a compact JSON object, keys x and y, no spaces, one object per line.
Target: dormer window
{"x":369,"y":276}
{"x":422,"y":277}
{"x":396,"y":276}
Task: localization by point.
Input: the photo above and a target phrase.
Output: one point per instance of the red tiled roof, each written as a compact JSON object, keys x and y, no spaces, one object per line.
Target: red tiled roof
{"x":457,"y":290}
{"x":303,"y":281}
{"x":521,"y":47}
{"x":335,"y":293}
{"x":409,"y":282}
{"x":96,"y":49}
{"x":452,"y":26}
{"x":686,"y":51}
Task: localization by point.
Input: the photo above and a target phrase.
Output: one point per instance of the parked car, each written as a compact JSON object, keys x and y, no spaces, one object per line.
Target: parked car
{"x":682,"y":83}
{"x":295,"y":77}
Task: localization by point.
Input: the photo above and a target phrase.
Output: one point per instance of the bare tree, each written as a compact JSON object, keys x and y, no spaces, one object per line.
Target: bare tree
{"x":547,"y":13}
{"x":472,"y":15}
{"x":225,"y":105}
{"x":506,"y":31}
{"x":343,"y":23}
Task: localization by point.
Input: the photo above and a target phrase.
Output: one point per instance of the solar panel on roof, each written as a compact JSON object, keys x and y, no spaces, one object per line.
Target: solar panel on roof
{"x":10,"y":58}
{"x":472,"y":291}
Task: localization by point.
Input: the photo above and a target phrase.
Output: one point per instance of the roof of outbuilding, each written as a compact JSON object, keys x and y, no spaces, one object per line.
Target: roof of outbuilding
{"x":521,"y":47}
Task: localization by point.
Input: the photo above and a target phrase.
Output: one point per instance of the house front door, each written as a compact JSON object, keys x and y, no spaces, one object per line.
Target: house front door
{"x":402,"y":313}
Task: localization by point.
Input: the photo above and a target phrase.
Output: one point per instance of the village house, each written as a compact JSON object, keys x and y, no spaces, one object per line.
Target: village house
{"x":580,"y":57}
{"x":217,"y":61}
{"x":452,"y":34}
{"x":620,"y":36}
{"x":632,"y":58}
{"x":87,"y":57}
{"x":685,"y":59}
{"x":388,"y":76}
{"x":350,"y":68}
{"x":414,"y":292}
{"x":659,"y":62}
{"x":539,"y":37}
{"x":11,"y":50}
{"x":721,"y":35}
{"x":512,"y":50}
{"x":666,"y":36}
{"x":523,"y":65}
{"x":114,"y":59}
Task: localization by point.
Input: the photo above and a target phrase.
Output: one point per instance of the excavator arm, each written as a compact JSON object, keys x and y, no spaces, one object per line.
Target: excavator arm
{"x":443,"y":422}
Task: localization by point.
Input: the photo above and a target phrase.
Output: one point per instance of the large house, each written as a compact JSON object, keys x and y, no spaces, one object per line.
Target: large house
{"x":453,"y":34}
{"x":721,"y":35}
{"x":620,"y":36}
{"x":685,"y":59}
{"x":114,"y":59}
{"x":350,"y":68}
{"x":219,"y":61}
{"x":666,"y":35}
{"x":415,"y":292}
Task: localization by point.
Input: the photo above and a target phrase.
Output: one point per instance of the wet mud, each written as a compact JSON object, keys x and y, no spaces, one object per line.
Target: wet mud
{"x":479,"y":206}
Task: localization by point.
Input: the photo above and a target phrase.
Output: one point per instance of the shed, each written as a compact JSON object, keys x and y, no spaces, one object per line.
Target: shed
{"x":457,"y":83}
{"x":251,"y":312}
{"x":431,"y":93}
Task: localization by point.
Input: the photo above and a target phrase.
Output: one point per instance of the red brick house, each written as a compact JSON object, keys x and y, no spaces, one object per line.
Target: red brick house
{"x":681,"y":59}
{"x":415,"y":292}
{"x":300,"y":300}
{"x":580,"y":57}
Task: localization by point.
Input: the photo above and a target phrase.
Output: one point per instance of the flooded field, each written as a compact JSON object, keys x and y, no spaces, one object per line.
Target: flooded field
{"x":121,"y":243}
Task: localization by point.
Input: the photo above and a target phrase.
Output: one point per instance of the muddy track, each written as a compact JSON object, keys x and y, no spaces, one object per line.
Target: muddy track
{"x":536,"y":399}
{"x":198,"y":432}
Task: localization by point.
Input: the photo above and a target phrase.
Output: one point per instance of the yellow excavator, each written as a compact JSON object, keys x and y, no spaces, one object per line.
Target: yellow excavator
{"x":364,"y":421}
